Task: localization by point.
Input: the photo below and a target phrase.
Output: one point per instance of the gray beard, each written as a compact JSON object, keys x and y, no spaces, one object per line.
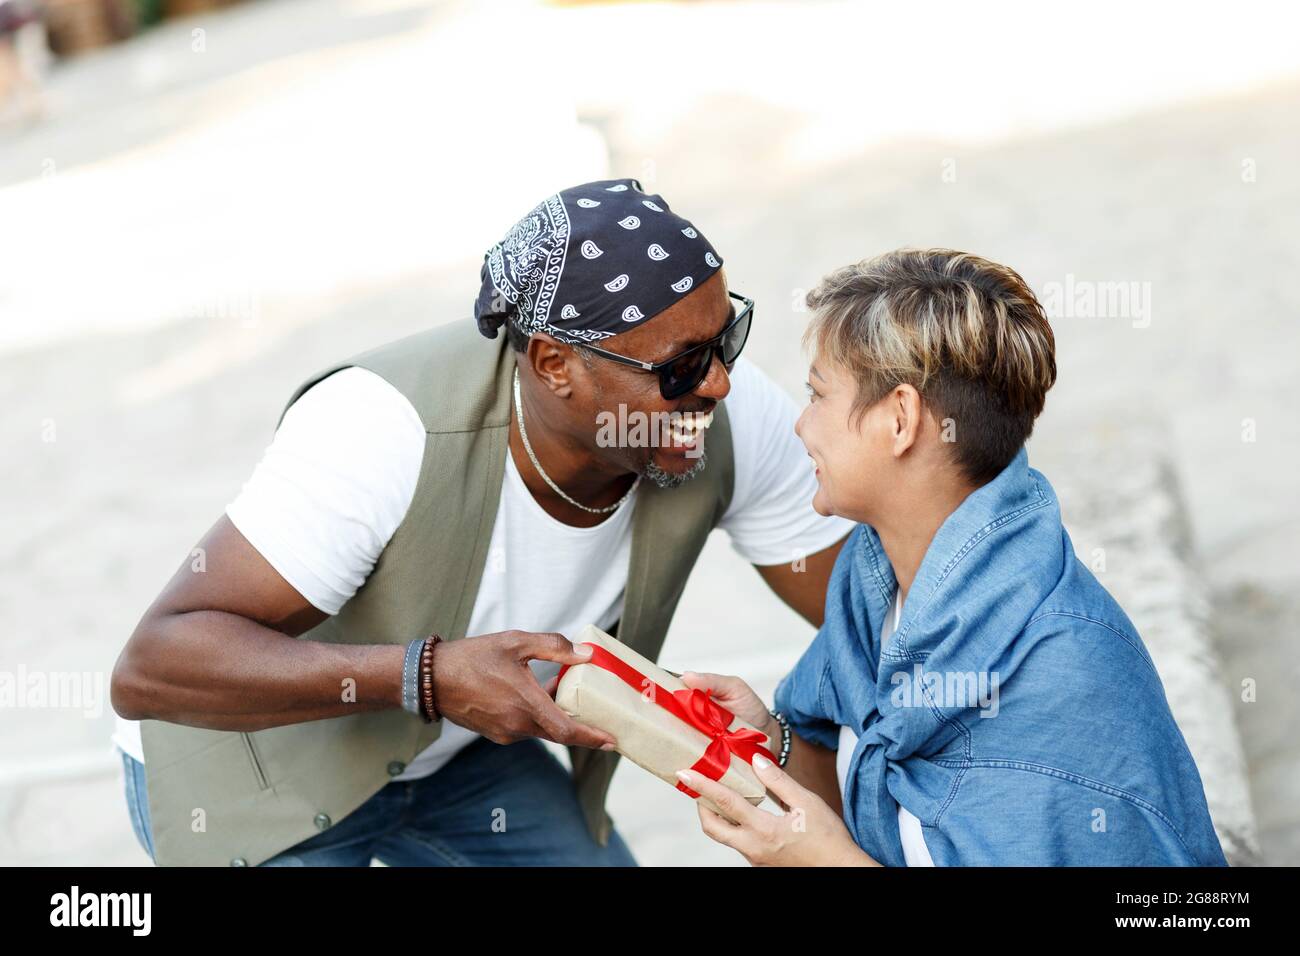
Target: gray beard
{"x":665,"y":480}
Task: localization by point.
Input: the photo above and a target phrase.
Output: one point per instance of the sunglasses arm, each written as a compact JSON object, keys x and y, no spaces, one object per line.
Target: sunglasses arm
{"x":621,"y":359}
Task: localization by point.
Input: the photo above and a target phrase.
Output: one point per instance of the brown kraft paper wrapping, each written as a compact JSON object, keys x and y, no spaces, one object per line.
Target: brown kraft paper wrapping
{"x":647,"y":734}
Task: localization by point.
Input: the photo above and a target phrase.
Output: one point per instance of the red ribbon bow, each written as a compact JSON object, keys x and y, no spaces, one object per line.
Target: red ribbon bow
{"x":696,"y":708}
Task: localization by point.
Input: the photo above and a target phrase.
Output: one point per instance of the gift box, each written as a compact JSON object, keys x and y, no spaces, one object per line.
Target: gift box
{"x":660,"y":724}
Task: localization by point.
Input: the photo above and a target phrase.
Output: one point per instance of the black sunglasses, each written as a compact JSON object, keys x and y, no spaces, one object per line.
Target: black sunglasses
{"x":685,"y":371}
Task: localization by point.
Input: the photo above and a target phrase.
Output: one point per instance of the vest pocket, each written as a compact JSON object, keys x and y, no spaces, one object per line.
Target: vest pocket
{"x":256,"y":763}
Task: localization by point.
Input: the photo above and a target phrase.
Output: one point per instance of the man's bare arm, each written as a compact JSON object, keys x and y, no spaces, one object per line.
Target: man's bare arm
{"x":804,"y":590}
{"x":217,"y":649}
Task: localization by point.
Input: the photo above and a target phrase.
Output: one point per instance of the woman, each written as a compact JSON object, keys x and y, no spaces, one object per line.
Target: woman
{"x":975,"y":696}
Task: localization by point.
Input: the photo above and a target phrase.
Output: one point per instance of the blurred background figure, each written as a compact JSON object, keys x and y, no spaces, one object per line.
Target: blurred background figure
{"x":221,"y":198}
{"x":23,"y":56}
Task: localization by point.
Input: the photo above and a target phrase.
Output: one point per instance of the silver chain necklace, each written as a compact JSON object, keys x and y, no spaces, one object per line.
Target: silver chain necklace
{"x":523,"y":433}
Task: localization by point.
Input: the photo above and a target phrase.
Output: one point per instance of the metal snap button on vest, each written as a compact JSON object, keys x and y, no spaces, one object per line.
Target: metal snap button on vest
{"x":322,"y":821}
{"x":239,"y":861}
{"x":395,"y":768}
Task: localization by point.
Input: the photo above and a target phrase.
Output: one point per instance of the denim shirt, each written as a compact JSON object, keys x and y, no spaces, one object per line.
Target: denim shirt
{"x":1015,"y":711}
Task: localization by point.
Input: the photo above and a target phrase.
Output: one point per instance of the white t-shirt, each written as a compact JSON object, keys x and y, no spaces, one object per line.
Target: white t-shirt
{"x":342,"y":469}
{"x":915,"y":852}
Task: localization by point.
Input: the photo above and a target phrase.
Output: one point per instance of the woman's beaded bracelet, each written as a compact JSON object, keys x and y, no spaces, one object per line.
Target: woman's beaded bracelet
{"x":785,"y":737}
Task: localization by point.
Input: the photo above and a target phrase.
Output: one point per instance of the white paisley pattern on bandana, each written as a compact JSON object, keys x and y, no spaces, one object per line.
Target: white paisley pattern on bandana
{"x":526,"y":266}
{"x":633,"y":258}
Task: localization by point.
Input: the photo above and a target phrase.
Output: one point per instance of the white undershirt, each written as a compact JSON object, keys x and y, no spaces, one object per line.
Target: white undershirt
{"x":342,"y":470}
{"x":915,"y":852}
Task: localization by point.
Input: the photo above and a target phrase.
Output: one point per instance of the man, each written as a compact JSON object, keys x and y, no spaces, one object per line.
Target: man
{"x":426,"y":488}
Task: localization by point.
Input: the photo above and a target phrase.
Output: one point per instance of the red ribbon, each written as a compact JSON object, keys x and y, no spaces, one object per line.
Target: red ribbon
{"x":696,"y":708}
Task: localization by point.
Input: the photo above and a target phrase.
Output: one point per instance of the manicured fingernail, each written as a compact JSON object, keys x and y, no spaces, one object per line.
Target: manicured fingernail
{"x":582,"y":650}
{"x":761,"y":762}
{"x":685,"y":776}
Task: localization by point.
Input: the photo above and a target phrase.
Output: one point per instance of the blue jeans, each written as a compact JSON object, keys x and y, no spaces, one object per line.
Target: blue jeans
{"x":490,"y":805}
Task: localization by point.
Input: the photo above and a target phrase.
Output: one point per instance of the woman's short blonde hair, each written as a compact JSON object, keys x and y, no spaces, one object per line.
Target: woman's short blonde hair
{"x":968,"y":334}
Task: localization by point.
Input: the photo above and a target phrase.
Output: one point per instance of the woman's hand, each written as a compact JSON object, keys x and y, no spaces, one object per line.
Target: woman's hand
{"x":736,"y":696}
{"x":810,"y":834}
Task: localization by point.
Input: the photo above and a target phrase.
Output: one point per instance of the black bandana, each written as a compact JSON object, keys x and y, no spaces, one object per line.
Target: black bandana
{"x":591,"y":262}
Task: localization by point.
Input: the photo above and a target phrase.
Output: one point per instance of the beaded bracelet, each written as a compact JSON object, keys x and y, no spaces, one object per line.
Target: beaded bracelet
{"x":785,"y":737}
{"x":430,"y":709}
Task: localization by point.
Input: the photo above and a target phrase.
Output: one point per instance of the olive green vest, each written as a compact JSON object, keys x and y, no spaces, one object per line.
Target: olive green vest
{"x":233,"y":798}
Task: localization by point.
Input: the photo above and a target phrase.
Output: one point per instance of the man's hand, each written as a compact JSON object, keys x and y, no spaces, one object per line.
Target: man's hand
{"x":484,"y":684}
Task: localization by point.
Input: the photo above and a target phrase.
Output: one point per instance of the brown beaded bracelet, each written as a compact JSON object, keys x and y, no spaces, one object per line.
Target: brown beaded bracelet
{"x":429,"y":708}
